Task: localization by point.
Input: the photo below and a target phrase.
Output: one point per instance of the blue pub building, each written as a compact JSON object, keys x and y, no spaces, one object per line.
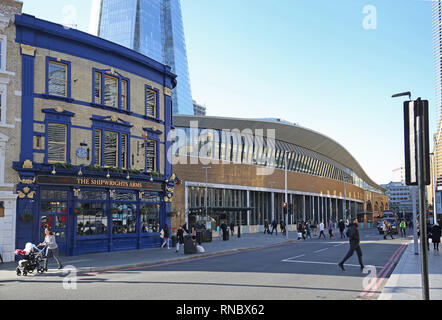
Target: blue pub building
{"x":93,"y":157}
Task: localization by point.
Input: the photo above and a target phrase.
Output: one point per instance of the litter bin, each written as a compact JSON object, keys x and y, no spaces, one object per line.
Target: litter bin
{"x":208,"y":235}
{"x":189,"y":245}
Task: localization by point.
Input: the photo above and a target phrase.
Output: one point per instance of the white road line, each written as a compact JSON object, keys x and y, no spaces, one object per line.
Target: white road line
{"x":326,"y":263}
{"x":317,"y":251}
{"x":302,"y":255}
{"x":337,"y":245}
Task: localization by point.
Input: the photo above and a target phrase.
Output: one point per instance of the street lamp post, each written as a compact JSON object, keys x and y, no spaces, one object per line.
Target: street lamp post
{"x":345,"y":199}
{"x":286,"y":196}
{"x":205,"y":196}
{"x":434,"y":192}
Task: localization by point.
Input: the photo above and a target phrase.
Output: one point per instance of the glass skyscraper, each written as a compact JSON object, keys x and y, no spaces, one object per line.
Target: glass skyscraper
{"x":155,"y":29}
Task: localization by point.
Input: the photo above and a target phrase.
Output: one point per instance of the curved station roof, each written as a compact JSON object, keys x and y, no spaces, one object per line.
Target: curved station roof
{"x":290,"y":133}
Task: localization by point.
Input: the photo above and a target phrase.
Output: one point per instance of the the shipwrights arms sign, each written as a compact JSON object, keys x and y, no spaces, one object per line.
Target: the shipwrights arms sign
{"x":99,"y":182}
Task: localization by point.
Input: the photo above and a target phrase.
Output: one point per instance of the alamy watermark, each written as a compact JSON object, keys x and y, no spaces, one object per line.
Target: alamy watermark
{"x":70,"y":280}
{"x":370,"y":21}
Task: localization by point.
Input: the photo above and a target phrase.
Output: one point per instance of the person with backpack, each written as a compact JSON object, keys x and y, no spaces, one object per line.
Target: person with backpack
{"x":354,"y":239}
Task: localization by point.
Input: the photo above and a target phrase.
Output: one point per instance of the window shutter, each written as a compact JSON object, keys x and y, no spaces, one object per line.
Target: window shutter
{"x":57,"y":136}
{"x":110,"y":149}
{"x":97,"y":147}
{"x":151,"y":155}
{"x":151,"y":103}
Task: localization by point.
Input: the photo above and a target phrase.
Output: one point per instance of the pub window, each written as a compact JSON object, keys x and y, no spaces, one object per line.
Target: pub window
{"x":2,"y":52}
{"x":124,"y":151}
{"x":111,"y":91}
{"x":110,"y":149}
{"x":97,"y":147}
{"x":150,"y":213}
{"x":90,"y":210}
{"x":151,"y":103}
{"x":57,"y":142}
{"x":124,"y":94}
{"x":97,"y":89}
{"x":57,"y":79}
{"x":151,"y":155}
{"x":124,"y":213}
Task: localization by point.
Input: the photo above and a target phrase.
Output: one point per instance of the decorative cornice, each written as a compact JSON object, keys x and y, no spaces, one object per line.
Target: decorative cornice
{"x":28,"y":50}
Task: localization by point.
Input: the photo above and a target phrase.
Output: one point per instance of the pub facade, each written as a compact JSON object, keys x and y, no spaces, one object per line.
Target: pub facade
{"x":94,"y":123}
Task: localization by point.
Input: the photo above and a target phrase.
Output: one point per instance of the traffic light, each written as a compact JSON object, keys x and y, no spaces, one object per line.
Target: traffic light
{"x":284,"y":207}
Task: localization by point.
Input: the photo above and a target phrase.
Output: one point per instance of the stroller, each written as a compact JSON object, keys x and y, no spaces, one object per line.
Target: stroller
{"x":32,"y":259}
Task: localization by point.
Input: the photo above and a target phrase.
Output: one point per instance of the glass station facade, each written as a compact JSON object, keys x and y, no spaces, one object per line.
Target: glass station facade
{"x":155,"y":29}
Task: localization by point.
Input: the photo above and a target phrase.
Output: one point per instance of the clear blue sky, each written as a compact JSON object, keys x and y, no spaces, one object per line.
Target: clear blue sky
{"x":309,"y":62}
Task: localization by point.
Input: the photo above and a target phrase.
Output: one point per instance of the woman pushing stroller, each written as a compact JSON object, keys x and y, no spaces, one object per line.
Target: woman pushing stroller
{"x":52,"y":248}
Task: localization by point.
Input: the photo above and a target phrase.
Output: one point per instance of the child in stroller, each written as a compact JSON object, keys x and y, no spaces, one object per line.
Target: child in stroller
{"x":32,"y":259}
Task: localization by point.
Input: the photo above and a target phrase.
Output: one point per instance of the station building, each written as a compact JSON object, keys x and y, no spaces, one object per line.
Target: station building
{"x":92,"y":158}
{"x":242,"y":163}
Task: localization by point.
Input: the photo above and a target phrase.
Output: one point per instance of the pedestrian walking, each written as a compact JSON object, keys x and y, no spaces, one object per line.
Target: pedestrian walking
{"x":389,"y":230}
{"x":51,"y":248}
{"x":266,"y":227}
{"x":321,"y":230}
{"x":274,"y":227}
{"x":341,"y":226}
{"x":308,"y":229}
{"x":180,"y":238}
{"x":353,"y":238}
{"x":330,"y":229}
{"x":282,"y":226}
{"x":232,"y":227}
{"x":225,"y":231}
{"x":403,"y":226}
{"x":302,"y":229}
{"x":435,"y":236}
{"x":166,"y":236}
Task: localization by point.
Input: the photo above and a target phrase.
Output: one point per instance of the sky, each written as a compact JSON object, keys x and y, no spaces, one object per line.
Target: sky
{"x":330,"y":66}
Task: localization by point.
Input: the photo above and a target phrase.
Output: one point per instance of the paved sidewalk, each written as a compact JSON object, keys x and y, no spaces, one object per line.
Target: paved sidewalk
{"x":138,"y":258}
{"x":405,"y":282}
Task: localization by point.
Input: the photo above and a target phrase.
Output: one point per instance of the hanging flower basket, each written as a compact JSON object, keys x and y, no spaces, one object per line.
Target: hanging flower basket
{"x":26,"y":216}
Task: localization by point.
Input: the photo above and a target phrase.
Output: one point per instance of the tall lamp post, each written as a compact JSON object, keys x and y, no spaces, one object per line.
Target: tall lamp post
{"x":286,"y":196}
{"x":434,"y":191}
{"x":205,"y":195}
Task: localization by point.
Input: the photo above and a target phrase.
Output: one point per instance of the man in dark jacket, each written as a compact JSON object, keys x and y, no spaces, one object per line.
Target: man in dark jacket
{"x":274,"y":227}
{"x":341,"y":226}
{"x":353,"y":237}
{"x":225,"y":231}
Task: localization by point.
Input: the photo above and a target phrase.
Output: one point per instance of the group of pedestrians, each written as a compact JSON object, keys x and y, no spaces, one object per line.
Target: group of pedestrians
{"x":306,"y":228}
{"x":274,"y":225}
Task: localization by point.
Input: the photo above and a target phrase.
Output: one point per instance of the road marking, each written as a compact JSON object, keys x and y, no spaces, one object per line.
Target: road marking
{"x":302,"y":255}
{"x":317,"y":251}
{"x":377,"y":281}
{"x":326,"y":263}
{"x":337,"y":245}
